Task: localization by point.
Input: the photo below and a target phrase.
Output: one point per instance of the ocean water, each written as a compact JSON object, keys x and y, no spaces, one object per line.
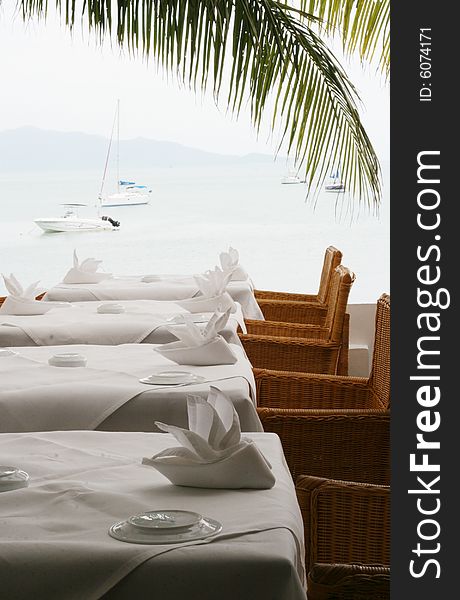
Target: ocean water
{"x":194,"y":213}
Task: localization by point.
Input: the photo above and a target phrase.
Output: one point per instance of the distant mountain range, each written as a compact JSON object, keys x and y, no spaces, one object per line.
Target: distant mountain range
{"x":30,"y":149}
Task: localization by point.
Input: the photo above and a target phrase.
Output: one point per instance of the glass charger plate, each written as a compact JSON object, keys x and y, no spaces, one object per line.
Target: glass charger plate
{"x":67,"y":359}
{"x":172,"y":378}
{"x":124,"y":531}
{"x":12,"y":478}
{"x":164,"y":521}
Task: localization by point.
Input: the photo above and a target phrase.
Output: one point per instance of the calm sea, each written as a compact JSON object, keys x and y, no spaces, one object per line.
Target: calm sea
{"x":194,"y":213}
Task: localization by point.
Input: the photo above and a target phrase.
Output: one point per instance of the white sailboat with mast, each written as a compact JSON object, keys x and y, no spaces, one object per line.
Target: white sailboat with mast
{"x":128,"y":192}
{"x":336,"y":184}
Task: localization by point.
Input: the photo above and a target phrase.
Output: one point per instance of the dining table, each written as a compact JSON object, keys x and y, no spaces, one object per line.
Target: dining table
{"x":154,"y":287}
{"x":108,"y":394}
{"x":55,"y":541}
{"x":96,"y":322}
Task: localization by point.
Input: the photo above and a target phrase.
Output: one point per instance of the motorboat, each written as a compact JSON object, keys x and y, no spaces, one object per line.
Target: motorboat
{"x":70,"y":221}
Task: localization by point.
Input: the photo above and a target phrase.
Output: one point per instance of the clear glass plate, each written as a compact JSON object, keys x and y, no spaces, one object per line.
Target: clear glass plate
{"x":12,"y":478}
{"x":165,"y":521}
{"x":67,"y":359}
{"x":172,"y":378}
{"x":126,"y":532}
{"x":7,"y":471}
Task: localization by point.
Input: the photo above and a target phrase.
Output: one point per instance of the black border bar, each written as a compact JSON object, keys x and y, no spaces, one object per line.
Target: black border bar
{"x":424,"y":129}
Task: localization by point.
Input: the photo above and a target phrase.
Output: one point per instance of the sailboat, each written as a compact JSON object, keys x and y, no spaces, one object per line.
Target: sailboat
{"x":291,"y":178}
{"x":70,"y":221}
{"x":337,"y":185}
{"x":128,"y":192}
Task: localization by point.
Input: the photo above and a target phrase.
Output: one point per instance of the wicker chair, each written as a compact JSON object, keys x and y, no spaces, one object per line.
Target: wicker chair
{"x":348,"y":582}
{"x":287,"y":390}
{"x":332,"y":259}
{"x":302,"y":308}
{"x":340,"y":443}
{"x":345,"y":522}
{"x":313,"y":348}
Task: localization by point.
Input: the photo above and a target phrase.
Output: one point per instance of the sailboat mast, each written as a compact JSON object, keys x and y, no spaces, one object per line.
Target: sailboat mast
{"x":118,"y":146}
{"x":107,"y":157}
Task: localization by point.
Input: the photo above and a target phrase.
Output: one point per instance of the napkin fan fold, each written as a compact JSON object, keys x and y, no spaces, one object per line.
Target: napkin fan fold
{"x":229,"y":261}
{"x":212,"y":453}
{"x":213,"y":295}
{"x":85,"y":271}
{"x":21,"y":302}
{"x":197,"y":346}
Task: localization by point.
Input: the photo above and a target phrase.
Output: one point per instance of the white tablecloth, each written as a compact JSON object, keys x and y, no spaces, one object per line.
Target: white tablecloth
{"x":54,"y":543}
{"x":107,"y":394}
{"x":142,"y":322}
{"x":169,"y":287}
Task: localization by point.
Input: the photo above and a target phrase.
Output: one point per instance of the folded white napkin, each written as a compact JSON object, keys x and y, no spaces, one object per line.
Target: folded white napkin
{"x":212,"y":453}
{"x":229,"y":261}
{"x":213,"y":283}
{"x":197,"y":346}
{"x":213,"y":296}
{"x":85,"y":272}
{"x":200,"y":304}
{"x":21,"y":302}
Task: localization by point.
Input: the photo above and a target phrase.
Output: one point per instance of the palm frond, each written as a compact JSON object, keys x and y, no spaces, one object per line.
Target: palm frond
{"x":364,"y":26}
{"x":266,"y":55}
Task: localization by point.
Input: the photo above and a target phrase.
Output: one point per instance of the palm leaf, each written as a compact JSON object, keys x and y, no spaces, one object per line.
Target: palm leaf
{"x":266,"y":54}
{"x":364,"y":26}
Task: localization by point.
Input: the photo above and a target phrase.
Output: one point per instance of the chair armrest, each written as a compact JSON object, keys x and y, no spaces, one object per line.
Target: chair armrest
{"x":341,"y":444}
{"x":294,"y":330}
{"x":288,"y":311}
{"x":282,"y":389}
{"x":269,"y":295}
{"x":286,"y":354}
{"x":344,"y":521}
{"x":331,"y":581}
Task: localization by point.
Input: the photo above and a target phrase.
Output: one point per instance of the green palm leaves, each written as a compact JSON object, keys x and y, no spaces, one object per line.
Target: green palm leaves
{"x":364,"y":26}
{"x":259,"y":52}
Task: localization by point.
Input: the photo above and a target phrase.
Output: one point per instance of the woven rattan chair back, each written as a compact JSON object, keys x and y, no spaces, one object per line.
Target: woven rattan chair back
{"x":332,"y":259}
{"x":348,"y":582}
{"x":379,"y":379}
{"x":348,"y":522}
{"x":342,"y":280}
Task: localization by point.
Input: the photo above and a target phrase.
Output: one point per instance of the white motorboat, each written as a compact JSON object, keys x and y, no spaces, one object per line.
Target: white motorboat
{"x":337,"y":185}
{"x":70,"y":221}
{"x":291,"y":178}
{"x":128,"y":192}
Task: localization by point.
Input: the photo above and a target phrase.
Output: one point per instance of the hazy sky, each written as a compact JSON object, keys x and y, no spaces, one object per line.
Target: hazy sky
{"x":54,"y":81}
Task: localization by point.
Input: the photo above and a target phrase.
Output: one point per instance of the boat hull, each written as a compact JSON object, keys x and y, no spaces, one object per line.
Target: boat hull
{"x":115,"y":204}
{"x":66,"y":225}
{"x":125,"y":200}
